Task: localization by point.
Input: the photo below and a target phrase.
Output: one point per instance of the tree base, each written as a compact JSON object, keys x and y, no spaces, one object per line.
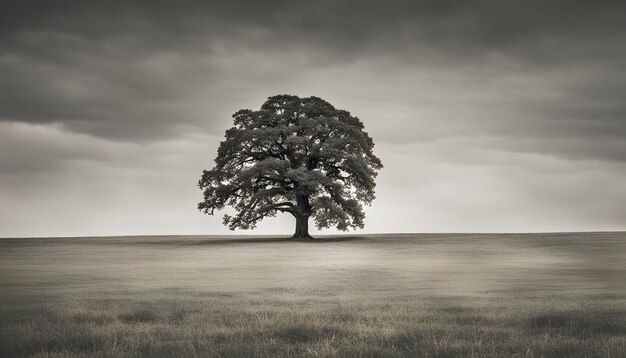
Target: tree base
{"x":302,"y":237}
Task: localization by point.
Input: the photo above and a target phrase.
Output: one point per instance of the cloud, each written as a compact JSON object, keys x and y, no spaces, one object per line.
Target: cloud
{"x":137,"y":70}
{"x":59,"y":183}
{"x":443,"y":187}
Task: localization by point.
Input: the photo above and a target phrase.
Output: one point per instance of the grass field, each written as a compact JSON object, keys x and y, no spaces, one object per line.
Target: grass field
{"x":374,"y":296}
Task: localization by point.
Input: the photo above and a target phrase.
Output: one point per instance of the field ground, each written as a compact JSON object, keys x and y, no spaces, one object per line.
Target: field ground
{"x":374,"y":296}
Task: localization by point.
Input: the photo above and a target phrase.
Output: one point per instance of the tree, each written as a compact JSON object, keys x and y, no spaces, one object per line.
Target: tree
{"x":296,"y":155}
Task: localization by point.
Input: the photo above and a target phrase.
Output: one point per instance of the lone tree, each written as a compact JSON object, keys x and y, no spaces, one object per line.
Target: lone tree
{"x":296,"y":155}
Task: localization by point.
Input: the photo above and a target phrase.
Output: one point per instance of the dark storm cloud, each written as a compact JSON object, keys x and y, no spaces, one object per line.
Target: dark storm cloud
{"x":346,"y":26}
{"x":152,"y":69}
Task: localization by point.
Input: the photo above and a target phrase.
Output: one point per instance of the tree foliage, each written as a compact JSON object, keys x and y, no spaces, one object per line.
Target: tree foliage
{"x":296,"y":155}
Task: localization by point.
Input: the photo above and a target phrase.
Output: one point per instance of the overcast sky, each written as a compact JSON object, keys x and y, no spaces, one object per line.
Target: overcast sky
{"x":488,"y":115}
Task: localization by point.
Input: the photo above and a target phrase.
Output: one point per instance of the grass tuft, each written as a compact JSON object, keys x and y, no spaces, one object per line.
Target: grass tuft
{"x":139,"y":316}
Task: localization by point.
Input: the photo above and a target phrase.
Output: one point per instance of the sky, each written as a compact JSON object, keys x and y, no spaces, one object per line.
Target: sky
{"x":489,"y":116}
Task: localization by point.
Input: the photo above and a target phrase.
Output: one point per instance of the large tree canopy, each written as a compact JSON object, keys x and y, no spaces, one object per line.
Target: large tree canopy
{"x":296,"y":155}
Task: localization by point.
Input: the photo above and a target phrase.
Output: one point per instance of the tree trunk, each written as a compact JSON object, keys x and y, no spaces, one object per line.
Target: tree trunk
{"x":302,"y":228}
{"x":302,"y":218}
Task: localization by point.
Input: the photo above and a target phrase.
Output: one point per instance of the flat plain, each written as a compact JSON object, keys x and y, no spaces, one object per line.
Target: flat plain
{"x":557,"y":294}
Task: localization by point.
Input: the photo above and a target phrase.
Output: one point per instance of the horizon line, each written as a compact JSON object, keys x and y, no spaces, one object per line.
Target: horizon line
{"x":325,"y":235}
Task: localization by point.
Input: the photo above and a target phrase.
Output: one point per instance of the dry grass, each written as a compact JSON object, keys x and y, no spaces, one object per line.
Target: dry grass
{"x":374,"y":296}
